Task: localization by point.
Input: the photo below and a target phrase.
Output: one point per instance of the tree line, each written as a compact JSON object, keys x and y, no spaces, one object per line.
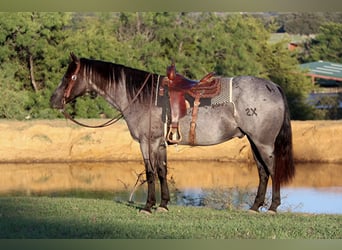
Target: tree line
{"x":35,"y":46}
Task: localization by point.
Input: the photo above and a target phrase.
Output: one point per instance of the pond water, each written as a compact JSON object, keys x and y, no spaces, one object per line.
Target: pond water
{"x":317,"y":188}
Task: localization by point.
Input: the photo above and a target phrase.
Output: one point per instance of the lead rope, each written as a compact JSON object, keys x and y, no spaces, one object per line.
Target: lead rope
{"x":106,"y":124}
{"x":150,"y":130}
{"x":111,"y":121}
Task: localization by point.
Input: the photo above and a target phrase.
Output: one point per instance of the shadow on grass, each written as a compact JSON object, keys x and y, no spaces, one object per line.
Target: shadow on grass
{"x":27,"y":218}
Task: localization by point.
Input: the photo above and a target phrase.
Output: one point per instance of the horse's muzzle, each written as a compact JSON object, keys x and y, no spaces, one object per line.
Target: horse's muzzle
{"x":56,"y":102}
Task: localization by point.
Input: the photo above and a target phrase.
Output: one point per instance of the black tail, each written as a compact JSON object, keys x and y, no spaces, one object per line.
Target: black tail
{"x":284,"y":166}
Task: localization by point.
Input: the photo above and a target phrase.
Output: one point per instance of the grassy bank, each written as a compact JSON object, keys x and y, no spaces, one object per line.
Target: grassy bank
{"x":46,"y":217}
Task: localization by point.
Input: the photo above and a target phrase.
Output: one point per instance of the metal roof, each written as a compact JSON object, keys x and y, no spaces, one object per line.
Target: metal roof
{"x":324,"y":70}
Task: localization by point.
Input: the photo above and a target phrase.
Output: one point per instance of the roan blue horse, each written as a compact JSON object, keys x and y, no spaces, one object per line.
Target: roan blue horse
{"x":257,"y":109}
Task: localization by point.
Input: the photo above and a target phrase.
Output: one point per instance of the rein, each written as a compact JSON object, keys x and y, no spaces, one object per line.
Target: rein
{"x":107,"y":123}
{"x":103,"y":125}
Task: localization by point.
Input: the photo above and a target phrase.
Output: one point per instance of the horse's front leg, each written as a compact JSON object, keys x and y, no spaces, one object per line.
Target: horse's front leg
{"x":150,"y":178}
{"x":149,"y":150}
{"x":162,"y":175}
{"x":155,"y":159}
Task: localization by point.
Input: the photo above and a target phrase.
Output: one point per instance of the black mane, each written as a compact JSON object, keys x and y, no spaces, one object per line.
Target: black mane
{"x":104,"y":73}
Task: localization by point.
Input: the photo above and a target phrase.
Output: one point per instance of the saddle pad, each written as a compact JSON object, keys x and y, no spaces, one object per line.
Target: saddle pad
{"x":221,"y":98}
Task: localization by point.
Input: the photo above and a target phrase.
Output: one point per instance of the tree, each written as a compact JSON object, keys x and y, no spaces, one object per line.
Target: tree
{"x":327,"y":45}
{"x":29,"y":57}
{"x":304,"y":23}
{"x":328,"y":107}
{"x":282,"y":68}
{"x":35,"y":47}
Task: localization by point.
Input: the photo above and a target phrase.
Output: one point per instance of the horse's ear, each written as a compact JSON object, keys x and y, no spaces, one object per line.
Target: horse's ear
{"x":74,"y":57}
{"x":171,"y":70}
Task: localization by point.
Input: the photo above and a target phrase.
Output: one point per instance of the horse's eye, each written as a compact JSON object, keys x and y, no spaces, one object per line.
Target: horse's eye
{"x":74,"y":77}
{"x":93,"y":94}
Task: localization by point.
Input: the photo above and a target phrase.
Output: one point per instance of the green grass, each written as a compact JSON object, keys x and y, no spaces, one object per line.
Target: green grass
{"x":46,"y":217}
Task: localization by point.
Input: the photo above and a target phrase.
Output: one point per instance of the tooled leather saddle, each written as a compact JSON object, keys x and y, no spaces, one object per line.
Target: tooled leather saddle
{"x":177,"y":87}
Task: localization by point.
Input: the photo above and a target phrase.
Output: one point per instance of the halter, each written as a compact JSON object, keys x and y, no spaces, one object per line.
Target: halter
{"x":106,"y":124}
{"x":71,"y":84}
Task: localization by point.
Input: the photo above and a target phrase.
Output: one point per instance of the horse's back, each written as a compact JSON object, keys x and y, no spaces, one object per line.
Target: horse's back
{"x":256,"y":90}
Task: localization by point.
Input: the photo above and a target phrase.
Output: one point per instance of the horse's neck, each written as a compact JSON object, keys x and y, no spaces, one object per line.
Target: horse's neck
{"x":116,"y":95}
{"x":115,"y":91}
{"x":112,"y":92}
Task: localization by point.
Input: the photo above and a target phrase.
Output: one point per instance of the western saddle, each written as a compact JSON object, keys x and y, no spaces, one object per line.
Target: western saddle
{"x":178,"y":86}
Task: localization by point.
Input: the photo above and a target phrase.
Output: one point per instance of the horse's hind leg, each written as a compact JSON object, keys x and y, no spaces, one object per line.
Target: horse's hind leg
{"x":275,"y":197}
{"x":162,"y":175}
{"x":263,"y":180}
{"x":267,"y":159}
{"x":264,"y":157}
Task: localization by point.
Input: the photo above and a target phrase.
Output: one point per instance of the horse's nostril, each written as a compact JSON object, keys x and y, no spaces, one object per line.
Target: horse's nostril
{"x":55,"y":104}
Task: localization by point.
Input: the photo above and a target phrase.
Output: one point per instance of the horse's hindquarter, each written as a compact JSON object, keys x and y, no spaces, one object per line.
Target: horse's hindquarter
{"x":260,"y":107}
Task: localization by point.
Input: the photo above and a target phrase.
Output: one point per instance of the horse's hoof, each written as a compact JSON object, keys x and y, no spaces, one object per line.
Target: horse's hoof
{"x":143,"y":211}
{"x":251,"y":211}
{"x":162,"y":210}
{"x":272,"y":212}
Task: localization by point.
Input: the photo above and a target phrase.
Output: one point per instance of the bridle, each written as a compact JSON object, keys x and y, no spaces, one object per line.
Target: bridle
{"x":71,"y":84}
{"x":115,"y":119}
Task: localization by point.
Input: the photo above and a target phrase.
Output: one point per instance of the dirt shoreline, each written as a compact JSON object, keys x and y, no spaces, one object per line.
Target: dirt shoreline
{"x":62,"y":141}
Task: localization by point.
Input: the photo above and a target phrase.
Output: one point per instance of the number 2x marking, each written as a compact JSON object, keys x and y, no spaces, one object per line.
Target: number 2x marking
{"x":251,"y":111}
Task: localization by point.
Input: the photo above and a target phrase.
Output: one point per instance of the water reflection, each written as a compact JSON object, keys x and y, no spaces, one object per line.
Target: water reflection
{"x":303,"y":200}
{"x":313,"y":200}
{"x":317,"y":188}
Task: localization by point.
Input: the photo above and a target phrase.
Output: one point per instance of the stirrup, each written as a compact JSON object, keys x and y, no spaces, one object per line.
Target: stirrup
{"x":174,"y":135}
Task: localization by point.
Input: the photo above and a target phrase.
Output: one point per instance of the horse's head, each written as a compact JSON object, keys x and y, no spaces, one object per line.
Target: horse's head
{"x":71,"y":86}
